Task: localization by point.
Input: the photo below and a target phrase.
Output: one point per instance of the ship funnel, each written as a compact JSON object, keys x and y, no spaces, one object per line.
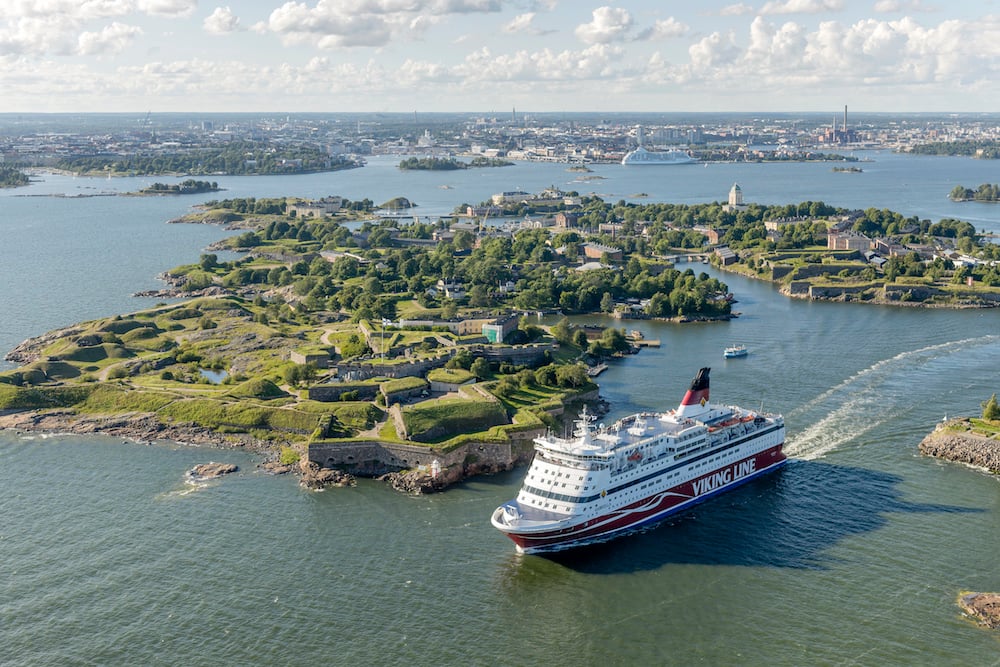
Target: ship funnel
{"x":696,"y":399}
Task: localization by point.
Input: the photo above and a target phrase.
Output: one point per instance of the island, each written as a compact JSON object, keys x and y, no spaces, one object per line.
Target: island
{"x":379,"y":345}
{"x":983,"y":607}
{"x":233,"y":158}
{"x":400,"y":349}
{"x":984,"y":149}
{"x":12,"y":177}
{"x":186,"y":187}
{"x":985,"y":192}
{"x":971,"y":440}
{"x":451,"y":164}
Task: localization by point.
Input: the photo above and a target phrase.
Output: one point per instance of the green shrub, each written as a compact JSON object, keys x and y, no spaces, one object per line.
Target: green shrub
{"x":288,"y":456}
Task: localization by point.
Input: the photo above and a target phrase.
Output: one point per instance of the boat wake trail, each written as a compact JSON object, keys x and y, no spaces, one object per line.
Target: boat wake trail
{"x":910,"y":380}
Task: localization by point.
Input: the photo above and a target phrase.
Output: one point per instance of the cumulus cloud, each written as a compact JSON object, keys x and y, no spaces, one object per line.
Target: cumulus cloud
{"x":769,"y":57}
{"x":609,"y":24}
{"x":801,"y":6}
{"x":62,"y":27}
{"x":345,"y":23}
{"x":715,"y":51}
{"x":112,"y":39}
{"x":221,"y":21}
{"x":664,"y":29}
{"x":165,"y":7}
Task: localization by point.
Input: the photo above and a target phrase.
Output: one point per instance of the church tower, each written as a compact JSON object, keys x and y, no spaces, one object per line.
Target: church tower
{"x":735,"y":195}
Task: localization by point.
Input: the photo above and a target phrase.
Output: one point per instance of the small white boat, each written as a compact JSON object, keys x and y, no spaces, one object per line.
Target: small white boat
{"x":734,"y":351}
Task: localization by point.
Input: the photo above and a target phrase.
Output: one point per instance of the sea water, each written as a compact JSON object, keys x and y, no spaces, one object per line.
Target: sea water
{"x":853,"y":554}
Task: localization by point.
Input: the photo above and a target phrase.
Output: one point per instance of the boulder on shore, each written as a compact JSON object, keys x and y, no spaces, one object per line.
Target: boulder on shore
{"x":316,"y":478}
{"x":212,"y":470}
{"x":275,"y":468}
{"x":984,"y":607}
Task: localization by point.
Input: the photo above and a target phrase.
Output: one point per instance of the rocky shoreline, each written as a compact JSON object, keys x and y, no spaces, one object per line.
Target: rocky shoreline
{"x":984,"y":607}
{"x":954,"y":441}
{"x":141,"y":427}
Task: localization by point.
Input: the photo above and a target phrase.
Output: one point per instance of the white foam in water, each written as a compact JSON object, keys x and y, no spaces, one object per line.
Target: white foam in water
{"x":866,"y":400}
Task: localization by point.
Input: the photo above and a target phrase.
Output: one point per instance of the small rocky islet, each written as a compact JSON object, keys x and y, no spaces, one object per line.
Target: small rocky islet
{"x":958,"y":440}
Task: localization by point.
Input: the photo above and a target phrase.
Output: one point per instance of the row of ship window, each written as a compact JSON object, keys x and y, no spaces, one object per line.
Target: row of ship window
{"x":575,"y":500}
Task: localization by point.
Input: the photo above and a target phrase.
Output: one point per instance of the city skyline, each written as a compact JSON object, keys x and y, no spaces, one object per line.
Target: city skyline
{"x":495,"y":55}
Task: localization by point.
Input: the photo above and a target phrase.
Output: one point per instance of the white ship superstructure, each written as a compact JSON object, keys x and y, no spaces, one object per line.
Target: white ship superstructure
{"x":603,"y":481}
{"x":642,"y":156}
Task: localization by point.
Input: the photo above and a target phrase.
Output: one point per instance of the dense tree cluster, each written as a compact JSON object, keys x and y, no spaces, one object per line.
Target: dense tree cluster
{"x":983,"y":148}
{"x":451,"y":164}
{"x":432,"y":164}
{"x":238,"y":157}
{"x":186,"y":187}
{"x":985,"y":192}
{"x":12,"y":177}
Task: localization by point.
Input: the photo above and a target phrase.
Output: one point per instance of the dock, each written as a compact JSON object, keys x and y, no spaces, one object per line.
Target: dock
{"x":637,"y":338}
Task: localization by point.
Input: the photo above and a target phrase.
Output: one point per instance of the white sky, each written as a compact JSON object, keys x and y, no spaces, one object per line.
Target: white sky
{"x":494,"y":55}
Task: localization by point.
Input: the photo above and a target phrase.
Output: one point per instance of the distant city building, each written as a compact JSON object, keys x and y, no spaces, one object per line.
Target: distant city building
{"x":316,"y":208}
{"x":510,"y":197}
{"x":566,"y":220}
{"x":710,"y":234}
{"x":841,"y":136}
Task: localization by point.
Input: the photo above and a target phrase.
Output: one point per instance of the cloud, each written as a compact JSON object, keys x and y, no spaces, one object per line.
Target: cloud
{"x":739,"y":9}
{"x":485,"y":67}
{"x":521,"y":23}
{"x":176,"y":8}
{"x":112,"y":39}
{"x":333,"y":24}
{"x":714,"y":52}
{"x":609,"y":24}
{"x":221,"y":21}
{"x":801,"y":6}
{"x":64,"y":27}
{"x":664,"y":29}
{"x":892,"y":6}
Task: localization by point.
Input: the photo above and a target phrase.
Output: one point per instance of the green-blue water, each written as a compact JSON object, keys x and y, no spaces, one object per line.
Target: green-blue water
{"x":852,"y":555}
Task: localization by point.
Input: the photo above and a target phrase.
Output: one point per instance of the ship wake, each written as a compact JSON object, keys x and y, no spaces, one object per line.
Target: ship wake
{"x":908,"y":381}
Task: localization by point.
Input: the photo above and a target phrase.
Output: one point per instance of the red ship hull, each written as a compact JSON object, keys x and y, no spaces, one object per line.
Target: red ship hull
{"x":653,"y":508}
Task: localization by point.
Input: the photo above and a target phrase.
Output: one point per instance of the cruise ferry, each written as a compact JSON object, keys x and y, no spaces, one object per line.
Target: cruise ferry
{"x":641,"y":156}
{"x":605,"y":481}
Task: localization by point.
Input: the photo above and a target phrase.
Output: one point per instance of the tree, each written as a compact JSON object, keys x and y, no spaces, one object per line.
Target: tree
{"x":614,"y":339}
{"x":480,"y":368}
{"x":449,"y":309}
{"x":209,"y":262}
{"x":607,"y":303}
{"x":991,"y":411}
